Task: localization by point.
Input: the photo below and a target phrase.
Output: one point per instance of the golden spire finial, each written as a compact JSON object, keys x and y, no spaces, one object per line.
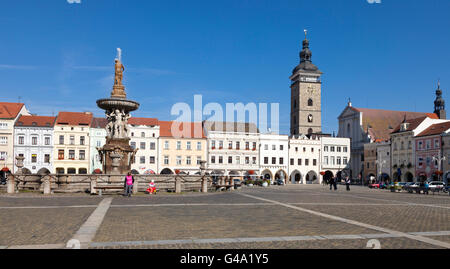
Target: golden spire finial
{"x":306,"y":33}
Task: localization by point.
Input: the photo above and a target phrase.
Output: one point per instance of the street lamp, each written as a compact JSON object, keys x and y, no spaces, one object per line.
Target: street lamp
{"x":380,"y":163}
{"x":439,"y":159}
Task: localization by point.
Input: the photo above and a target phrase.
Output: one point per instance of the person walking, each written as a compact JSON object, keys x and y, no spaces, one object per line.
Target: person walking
{"x":333,"y":183}
{"x":129,"y":181}
{"x":347,"y":183}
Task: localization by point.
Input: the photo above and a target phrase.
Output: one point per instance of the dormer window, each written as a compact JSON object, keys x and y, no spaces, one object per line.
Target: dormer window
{"x":404,"y":127}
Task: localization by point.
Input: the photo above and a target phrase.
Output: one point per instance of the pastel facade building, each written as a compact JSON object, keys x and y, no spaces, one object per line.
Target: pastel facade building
{"x":429,"y":151}
{"x":71,"y":152}
{"x":182,"y":147}
{"x":97,"y":137}
{"x":33,"y":140}
{"x":9,"y":114}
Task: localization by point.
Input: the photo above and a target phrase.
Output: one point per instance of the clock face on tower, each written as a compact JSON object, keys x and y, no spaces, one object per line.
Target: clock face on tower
{"x":310,"y":90}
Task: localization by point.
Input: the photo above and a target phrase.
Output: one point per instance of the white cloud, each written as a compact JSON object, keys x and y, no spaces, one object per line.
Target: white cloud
{"x":74,"y":1}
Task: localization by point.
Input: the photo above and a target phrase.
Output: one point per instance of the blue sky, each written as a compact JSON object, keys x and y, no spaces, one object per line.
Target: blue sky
{"x":59,"y":57}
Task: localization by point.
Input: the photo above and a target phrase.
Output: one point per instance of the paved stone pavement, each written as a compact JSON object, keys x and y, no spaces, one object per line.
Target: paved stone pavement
{"x":288,"y":217}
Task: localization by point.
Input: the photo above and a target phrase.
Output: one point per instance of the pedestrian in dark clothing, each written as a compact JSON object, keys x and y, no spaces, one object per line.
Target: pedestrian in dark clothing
{"x":128,"y":184}
{"x":333,"y":183}
{"x":347,"y":183}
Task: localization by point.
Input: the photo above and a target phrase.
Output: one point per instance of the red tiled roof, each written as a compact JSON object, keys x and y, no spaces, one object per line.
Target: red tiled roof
{"x":39,"y":121}
{"x":435,"y":129}
{"x":143,"y":121}
{"x":99,"y":123}
{"x":10,"y":110}
{"x":382,"y":122}
{"x":165,"y":129}
{"x":74,"y":118}
{"x":413,"y":124}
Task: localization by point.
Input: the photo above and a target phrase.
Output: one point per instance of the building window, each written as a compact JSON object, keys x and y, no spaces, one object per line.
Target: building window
{"x":47,"y":158}
{"x":166,"y":160}
{"x":4,"y":140}
{"x":133,"y":145}
{"x":247,"y":160}
{"x":254,"y":160}
{"x":71,"y":154}
{"x":152,"y":145}
{"x":213,"y":144}
{"x":82,"y":140}
{"x":266,"y":160}
{"x":166,"y":144}
{"x":230,"y":145}
{"x":292,"y":161}
{"x":82,"y":155}
{"x":332,"y":160}
{"x":247,"y":145}
{"x":338,"y":160}
{"x":314,"y":162}
{"x":345,"y":149}
{"x":188,"y":160}
{"x":220,"y":159}
{"x":178,"y":145}
{"x":325,"y":160}
{"x":230,"y":159}
{"x":332,"y":149}
{"x":179,"y":160}
{"x":274,"y":160}
{"x":281,"y":147}
{"x":152,"y":159}
{"x":34,"y":158}
{"x":188,"y":145}
{"x":306,"y":162}
{"x":72,"y":140}
{"x":238,"y":160}
{"x":254,"y":145}
{"x":299,"y":162}
{"x":281,"y":161}
{"x":143,"y":135}
{"x":274,"y":147}
{"x":61,"y":154}
{"x":310,"y":102}
{"x":345,"y":161}
{"x":238,"y":145}
{"x":266,"y":147}
{"x":2,"y":156}
{"x":3,"y":125}
{"x":213,"y":159}
{"x":325,"y":149}
{"x":61,"y":140}
{"x":199,"y":159}
{"x":338,"y":149}
{"x":47,"y":141}
{"x":199,"y":145}
{"x":142,"y":145}
{"x":220,"y":144}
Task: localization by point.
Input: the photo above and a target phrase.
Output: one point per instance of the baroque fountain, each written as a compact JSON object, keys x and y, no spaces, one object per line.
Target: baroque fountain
{"x":117,"y":155}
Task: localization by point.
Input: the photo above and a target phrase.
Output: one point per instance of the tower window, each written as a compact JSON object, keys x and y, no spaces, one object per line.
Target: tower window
{"x":310,"y":102}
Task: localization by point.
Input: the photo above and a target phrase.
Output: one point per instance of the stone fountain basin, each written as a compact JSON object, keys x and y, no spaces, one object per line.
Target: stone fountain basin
{"x":117,"y":103}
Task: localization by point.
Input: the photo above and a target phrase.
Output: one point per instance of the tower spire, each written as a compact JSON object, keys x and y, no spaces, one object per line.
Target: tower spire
{"x":439,"y":103}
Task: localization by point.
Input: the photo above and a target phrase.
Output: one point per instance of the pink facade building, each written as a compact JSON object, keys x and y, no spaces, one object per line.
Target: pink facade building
{"x":429,"y":157}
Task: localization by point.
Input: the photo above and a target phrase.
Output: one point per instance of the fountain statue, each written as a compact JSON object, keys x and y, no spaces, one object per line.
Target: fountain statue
{"x":117,"y":154}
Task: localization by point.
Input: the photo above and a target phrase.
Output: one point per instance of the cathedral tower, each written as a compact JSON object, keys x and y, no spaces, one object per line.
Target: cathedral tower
{"x":439,"y":104}
{"x":306,"y":94}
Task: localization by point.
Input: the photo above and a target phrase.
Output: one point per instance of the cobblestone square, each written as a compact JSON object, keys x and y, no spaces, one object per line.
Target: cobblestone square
{"x":289,"y":217}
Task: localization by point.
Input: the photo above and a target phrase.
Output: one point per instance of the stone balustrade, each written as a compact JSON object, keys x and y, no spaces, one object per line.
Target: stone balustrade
{"x":49,"y":184}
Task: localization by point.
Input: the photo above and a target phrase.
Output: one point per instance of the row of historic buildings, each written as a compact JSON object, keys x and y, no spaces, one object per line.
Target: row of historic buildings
{"x":67,"y":144}
{"x":397,"y":145}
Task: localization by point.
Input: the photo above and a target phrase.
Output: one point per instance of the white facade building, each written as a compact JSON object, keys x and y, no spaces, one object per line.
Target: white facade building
{"x":274,"y":156}
{"x":33,"y":140}
{"x":144,"y":134}
{"x":335,"y":157}
{"x":233,"y":149}
{"x":304,"y":159}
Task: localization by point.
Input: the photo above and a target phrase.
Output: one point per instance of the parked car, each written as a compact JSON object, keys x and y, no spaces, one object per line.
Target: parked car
{"x":436,"y":184}
{"x":379,"y":185}
{"x":279,"y":182}
{"x":397,"y":186}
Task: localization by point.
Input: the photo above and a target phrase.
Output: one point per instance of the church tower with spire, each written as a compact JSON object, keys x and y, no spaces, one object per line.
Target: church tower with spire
{"x":306,"y":94}
{"x":439,"y":104}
